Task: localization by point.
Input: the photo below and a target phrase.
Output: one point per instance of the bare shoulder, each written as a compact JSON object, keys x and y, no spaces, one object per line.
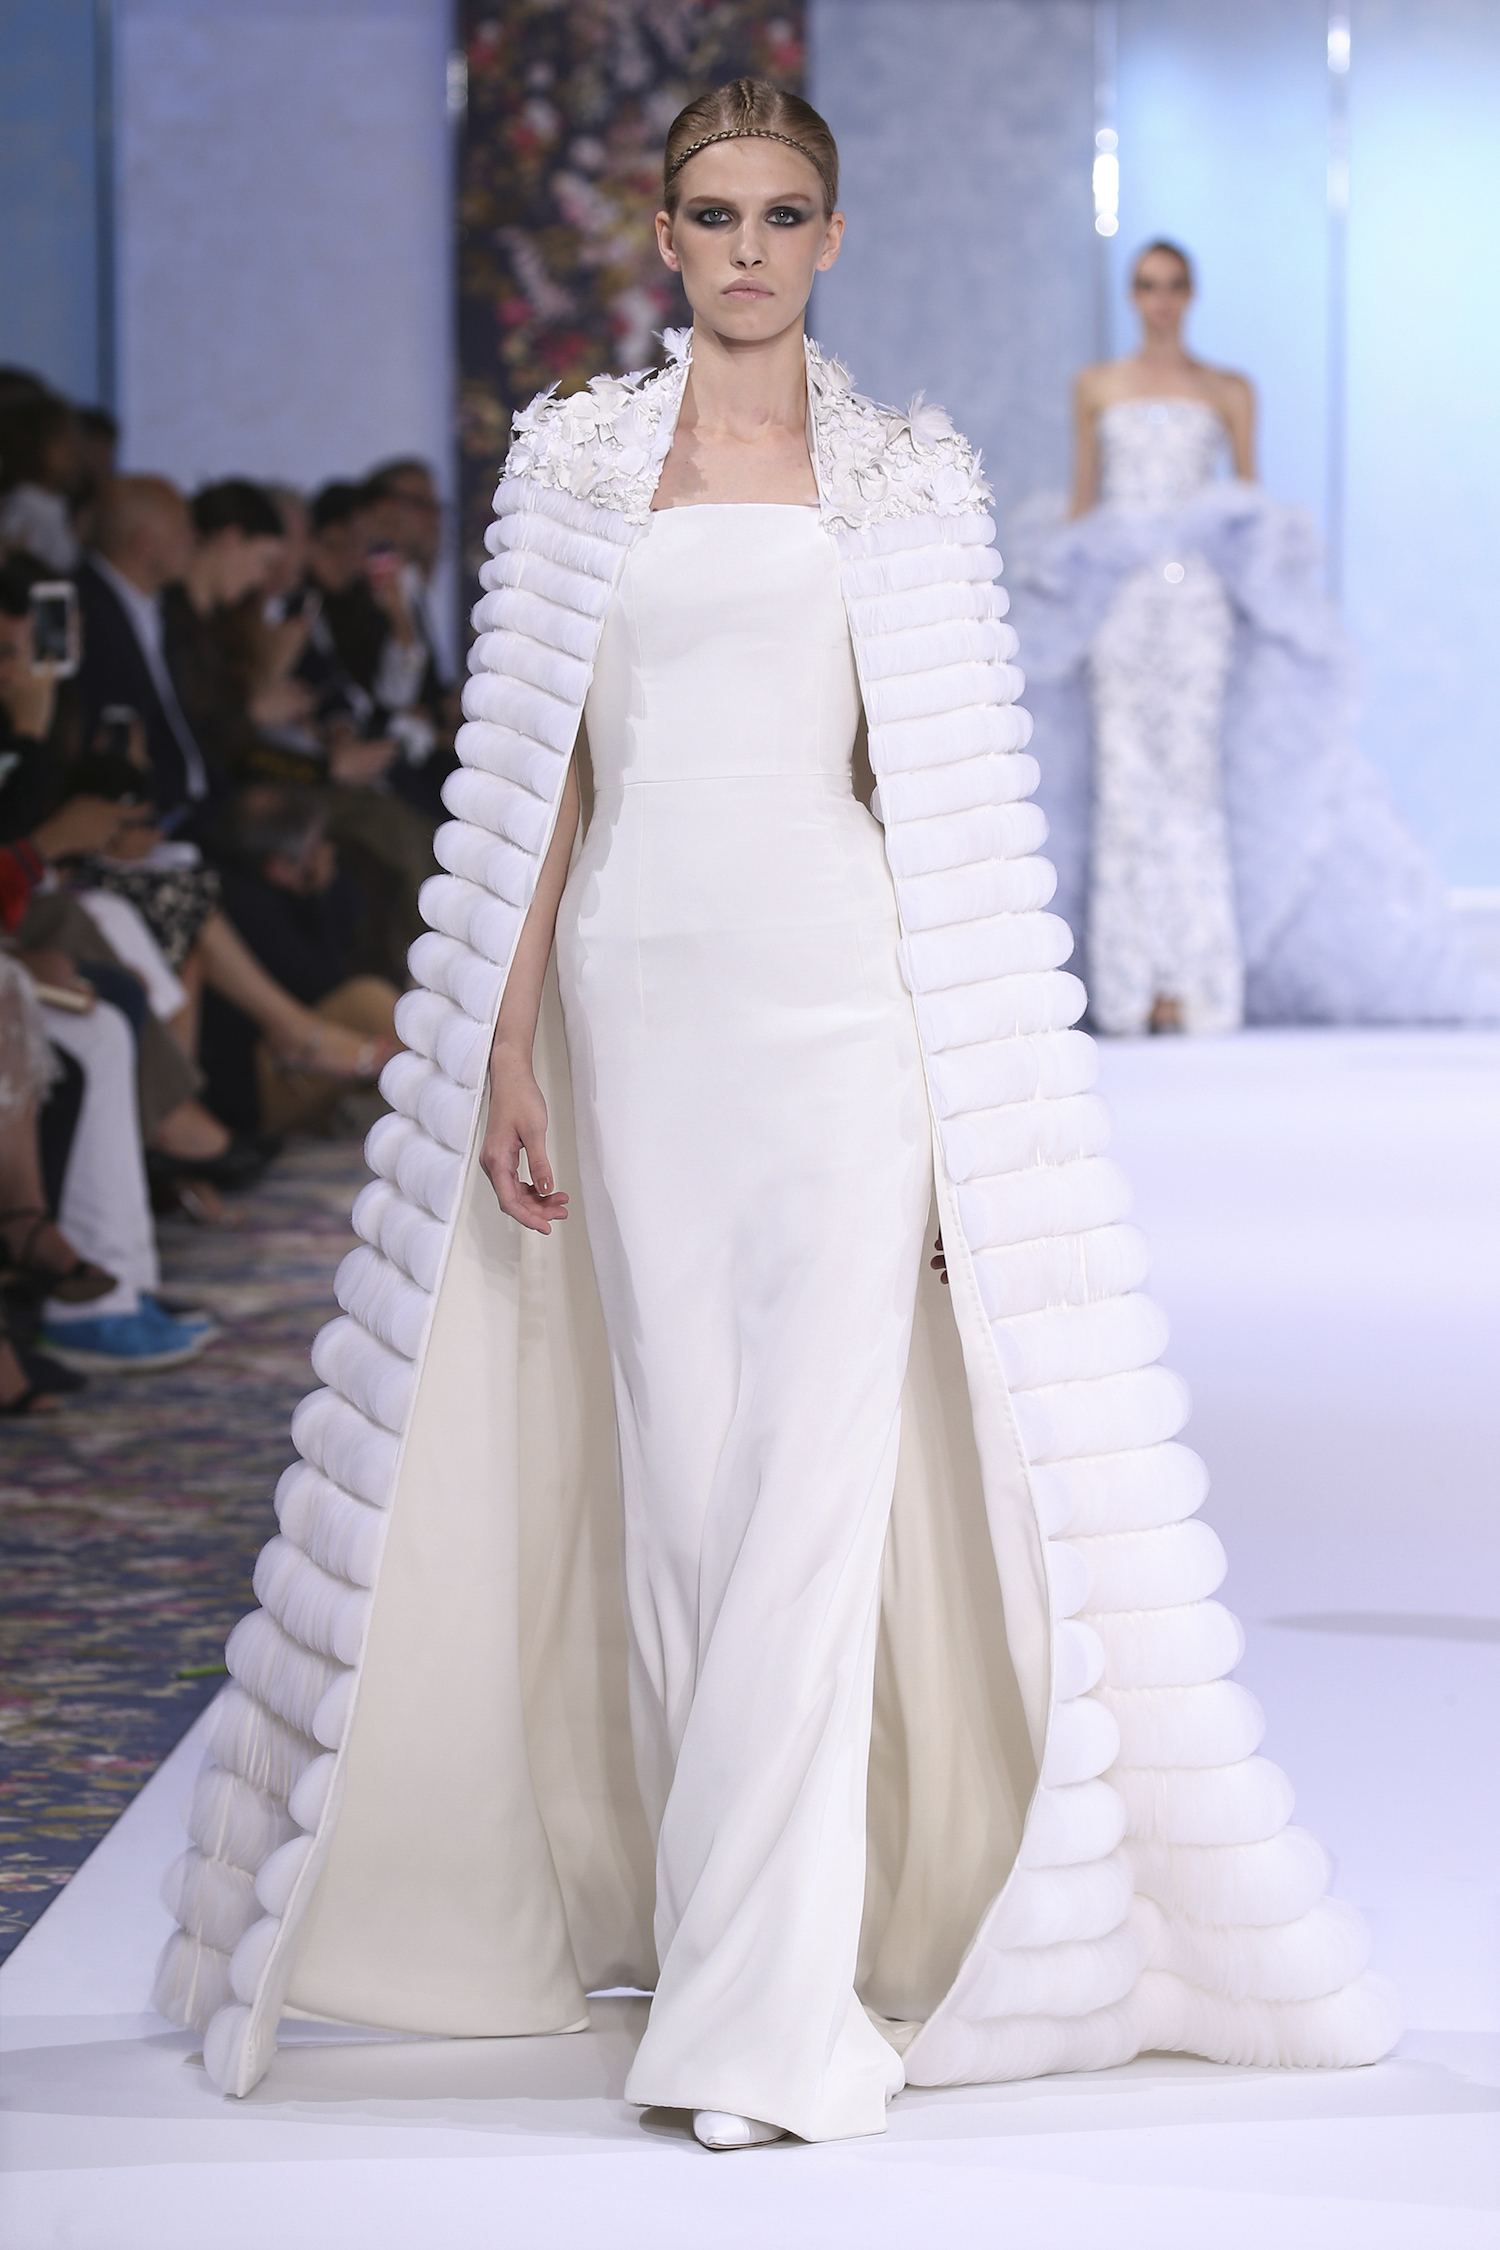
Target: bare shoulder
{"x":1104,"y":383}
{"x":1232,"y":393}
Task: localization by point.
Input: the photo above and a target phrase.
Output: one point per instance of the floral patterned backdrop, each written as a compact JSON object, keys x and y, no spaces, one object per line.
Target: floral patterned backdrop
{"x":568,"y":105}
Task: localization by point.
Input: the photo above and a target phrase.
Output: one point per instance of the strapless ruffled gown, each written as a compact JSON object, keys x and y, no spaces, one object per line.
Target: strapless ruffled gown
{"x":1210,"y":815}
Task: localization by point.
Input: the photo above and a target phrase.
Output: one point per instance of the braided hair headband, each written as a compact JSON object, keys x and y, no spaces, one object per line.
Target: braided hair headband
{"x":737,"y":133}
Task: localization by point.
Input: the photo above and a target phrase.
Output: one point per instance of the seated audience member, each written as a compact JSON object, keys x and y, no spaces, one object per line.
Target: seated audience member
{"x":378,"y":640}
{"x":337,"y":540}
{"x":105,"y":1209}
{"x":19,"y":385}
{"x":96,"y":1268}
{"x":99,"y":438}
{"x":143,"y":543}
{"x":41,"y":467}
{"x":302,"y":920}
{"x":98,"y":935}
{"x":365,"y":818}
{"x":32,"y":753}
{"x":35,"y":1256}
{"x":410,"y":512}
{"x":207,"y":621}
{"x":119,"y":847}
{"x":407,"y":493}
{"x":215,"y":960}
{"x":218,"y":643}
{"x":272,"y":641}
{"x":37,"y":835}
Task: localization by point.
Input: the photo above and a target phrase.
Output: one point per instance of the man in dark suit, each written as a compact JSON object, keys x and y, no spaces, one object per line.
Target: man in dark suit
{"x":380,"y":632}
{"x":143,"y":542}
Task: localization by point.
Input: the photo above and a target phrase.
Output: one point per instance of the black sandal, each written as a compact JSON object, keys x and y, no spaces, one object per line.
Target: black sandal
{"x":44,"y":1373}
{"x":24,"y":1401}
{"x":79,"y":1284}
{"x":31,"y":1390}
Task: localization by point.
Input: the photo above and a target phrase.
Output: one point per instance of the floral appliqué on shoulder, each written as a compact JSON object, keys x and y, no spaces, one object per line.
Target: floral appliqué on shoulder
{"x":606,"y":445}
{"x":876,"y":463}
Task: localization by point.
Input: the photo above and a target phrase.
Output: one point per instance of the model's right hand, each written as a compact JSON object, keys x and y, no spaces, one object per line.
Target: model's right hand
{"x":518,"y":1120}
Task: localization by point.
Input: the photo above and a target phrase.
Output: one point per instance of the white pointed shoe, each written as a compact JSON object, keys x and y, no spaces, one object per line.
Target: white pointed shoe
{"x":721,"y":2128}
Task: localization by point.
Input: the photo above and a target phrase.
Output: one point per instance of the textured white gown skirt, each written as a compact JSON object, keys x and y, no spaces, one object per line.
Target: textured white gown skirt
{"x":755,"y":1163}
{"x":1161,"y":908}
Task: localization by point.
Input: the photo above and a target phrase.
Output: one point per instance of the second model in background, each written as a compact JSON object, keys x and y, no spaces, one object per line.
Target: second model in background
{"x":1224,"y":851}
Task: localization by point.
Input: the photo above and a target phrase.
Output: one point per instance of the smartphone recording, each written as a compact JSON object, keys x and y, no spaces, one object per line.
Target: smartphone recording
{"x":54,"y":628}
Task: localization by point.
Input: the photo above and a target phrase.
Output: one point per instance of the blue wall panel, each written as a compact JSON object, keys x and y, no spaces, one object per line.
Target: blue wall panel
{"x":48,"y":196}
{"x":1423,"y":572}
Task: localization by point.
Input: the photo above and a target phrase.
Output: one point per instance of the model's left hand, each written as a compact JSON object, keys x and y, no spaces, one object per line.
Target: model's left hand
{"x":939,"y":1264}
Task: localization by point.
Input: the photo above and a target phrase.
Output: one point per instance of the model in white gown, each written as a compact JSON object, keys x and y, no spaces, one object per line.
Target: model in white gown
{"x":1214,"y":826}
{"x":699,"y":1595}
{"x":745,"y":1061}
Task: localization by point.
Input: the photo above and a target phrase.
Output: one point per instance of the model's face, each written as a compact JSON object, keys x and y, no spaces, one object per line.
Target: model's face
{"x":748,"y":235}
{"x":1162,"y":293}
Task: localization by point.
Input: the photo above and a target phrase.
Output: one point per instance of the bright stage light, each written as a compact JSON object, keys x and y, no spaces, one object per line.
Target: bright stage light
{"x":1106,"y":185}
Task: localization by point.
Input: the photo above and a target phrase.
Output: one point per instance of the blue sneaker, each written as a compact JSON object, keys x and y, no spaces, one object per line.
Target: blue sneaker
{"x":138,"y":1343}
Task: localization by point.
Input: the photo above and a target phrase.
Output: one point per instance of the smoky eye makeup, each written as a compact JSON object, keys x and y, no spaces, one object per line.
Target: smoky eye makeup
{"x":724,"y":214}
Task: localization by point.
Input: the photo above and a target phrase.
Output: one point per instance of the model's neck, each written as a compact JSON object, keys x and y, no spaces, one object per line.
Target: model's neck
{"x":1163,"y":351}
{"x":744,"y":390}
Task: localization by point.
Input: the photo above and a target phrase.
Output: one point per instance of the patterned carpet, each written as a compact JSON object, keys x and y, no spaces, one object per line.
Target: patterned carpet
{"x":130,"y":1523}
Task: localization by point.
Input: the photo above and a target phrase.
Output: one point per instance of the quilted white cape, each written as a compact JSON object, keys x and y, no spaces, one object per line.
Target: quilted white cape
{"x":1158,"y":1898}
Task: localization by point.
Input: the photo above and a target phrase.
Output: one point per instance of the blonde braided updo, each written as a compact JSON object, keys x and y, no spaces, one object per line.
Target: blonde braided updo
{"x":749,"y":109}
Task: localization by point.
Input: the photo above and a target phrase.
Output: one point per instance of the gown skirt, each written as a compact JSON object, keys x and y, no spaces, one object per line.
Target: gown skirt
{"x":755,"y":1163}
{"x":1161,"y":908}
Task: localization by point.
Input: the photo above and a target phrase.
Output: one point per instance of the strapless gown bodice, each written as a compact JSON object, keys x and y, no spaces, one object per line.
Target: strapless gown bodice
{"x":1157,"y":453}
{"x":726,"y":654}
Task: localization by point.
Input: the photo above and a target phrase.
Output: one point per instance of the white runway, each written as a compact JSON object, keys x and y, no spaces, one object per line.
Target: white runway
{"x":1325,"y":1215}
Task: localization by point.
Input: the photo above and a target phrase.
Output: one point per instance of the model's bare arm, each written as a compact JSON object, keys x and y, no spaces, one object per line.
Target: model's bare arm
{"x":1239,"y":413}
{"x":1085,"y":444}
{"x":518,"y":1114}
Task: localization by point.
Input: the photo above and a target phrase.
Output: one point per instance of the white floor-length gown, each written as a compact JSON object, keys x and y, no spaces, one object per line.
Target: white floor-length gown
{"x":1161,"y":917}
{"x":754,"y":1150}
